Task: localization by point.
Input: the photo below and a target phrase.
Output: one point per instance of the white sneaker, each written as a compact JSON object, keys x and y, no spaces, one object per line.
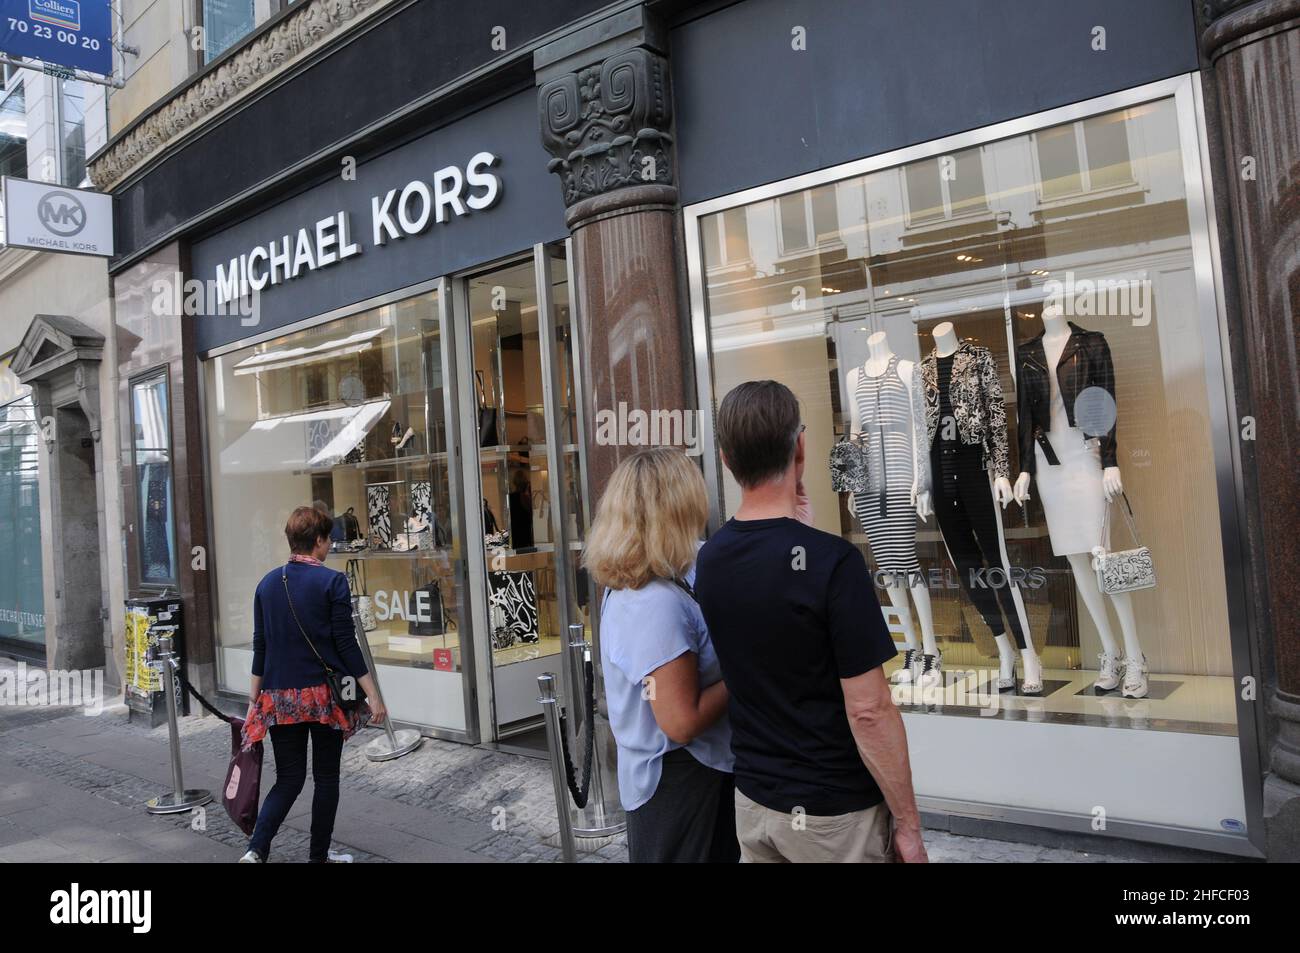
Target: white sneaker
{"x":1135,"y":677}
{"x":1108,"y":673}
{"x":251,"y":857}
{"x":931,"y":671}
{"x":334,"y":857}
{"x":906,"y":674}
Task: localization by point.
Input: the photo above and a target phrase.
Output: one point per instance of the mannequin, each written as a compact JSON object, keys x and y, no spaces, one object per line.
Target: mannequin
{"x":1075,"y":493}
{"x":946,"y":345}
{"x":895,"y":553}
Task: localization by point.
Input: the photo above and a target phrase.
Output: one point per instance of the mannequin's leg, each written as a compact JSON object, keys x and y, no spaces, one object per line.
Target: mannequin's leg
{"x":898,"y":599}
{"x":925,"y":615}
{"x":1085,"y":580}
{"x":1123,"y":603}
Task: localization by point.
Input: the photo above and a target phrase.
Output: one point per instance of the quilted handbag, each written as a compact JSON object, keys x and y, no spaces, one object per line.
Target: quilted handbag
{"x":1126,"y":570}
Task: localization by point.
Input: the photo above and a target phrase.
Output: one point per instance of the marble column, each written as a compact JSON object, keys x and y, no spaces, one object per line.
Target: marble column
{"x":608,"y":126}
{"x":1253,"y":49}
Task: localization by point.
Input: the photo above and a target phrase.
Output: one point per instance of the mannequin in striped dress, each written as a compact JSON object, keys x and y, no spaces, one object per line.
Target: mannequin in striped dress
{"x":884,"y":399}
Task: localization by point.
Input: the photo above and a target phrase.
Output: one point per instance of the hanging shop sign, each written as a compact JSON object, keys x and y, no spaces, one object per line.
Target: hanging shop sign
{"x":395,"y":214}
{"x":48,"y":217}
{"x":76,"y":34}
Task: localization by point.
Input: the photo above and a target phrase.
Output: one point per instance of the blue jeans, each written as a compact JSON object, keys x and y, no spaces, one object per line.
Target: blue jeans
{"x":290,"y":745}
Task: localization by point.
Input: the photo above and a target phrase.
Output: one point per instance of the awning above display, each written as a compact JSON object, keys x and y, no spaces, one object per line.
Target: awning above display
{"x":322,"y":438}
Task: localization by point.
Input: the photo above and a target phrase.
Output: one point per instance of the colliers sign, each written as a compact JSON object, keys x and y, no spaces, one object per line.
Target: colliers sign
{"x":396,"y":214}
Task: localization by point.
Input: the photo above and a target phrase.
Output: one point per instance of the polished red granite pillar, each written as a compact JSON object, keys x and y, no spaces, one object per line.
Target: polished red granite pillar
{"x":1254,"y":50}
{"x":608,"y":126}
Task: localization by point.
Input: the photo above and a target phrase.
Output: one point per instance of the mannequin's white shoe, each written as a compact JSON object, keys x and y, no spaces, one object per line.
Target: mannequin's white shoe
{"x":1107,"y":673}
{"x":1033,"y":683}
{"x":906,"y":675}
{"x":1135,"y":677}
{"x":931,"y":671}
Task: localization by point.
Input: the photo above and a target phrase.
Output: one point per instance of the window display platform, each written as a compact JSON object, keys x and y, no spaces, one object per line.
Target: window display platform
{"x":1194,"y":704}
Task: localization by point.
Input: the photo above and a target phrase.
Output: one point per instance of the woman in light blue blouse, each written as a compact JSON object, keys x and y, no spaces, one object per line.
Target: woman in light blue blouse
{"x":667,"y":702}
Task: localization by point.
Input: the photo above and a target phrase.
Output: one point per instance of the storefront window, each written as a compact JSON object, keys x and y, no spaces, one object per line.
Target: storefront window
{"x":349,"y":416}
{"x":22,"y":599}
{"x":916,"y":326}
{"x":153,"y":479}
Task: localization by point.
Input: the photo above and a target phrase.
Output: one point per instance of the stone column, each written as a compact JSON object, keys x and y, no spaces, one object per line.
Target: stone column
{"x":1254,"y":51}
{"x":606,"y":118}
{"x":608,"y":126}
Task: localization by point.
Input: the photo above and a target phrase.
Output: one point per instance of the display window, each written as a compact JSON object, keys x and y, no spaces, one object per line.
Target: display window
{"x":1006,"y":356}
{"x":415,"y":423}
{"x":350,"y":416}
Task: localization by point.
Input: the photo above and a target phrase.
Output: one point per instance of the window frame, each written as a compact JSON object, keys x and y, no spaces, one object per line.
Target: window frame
{"x":135,"y":381}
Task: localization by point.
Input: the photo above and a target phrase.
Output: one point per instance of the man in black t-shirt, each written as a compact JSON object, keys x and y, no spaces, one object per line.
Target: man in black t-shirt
{"x":822,"y":772}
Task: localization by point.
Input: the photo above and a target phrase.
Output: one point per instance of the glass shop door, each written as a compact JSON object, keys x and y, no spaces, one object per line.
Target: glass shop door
{"x":522,"y":484}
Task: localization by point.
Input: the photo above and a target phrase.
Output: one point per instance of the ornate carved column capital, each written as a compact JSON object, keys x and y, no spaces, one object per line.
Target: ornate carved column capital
{"x":608,"y":128}
{"x":1227,"y":22}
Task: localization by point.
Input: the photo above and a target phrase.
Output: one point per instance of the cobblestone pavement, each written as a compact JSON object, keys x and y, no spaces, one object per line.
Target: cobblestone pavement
{"x":72,"y":788}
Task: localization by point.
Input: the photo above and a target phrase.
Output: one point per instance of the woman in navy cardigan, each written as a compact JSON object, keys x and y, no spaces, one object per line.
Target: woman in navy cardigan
{"x":298,"y":607}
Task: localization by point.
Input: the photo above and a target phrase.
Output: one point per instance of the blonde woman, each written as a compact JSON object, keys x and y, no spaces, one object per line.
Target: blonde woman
{"x":667,"y":702}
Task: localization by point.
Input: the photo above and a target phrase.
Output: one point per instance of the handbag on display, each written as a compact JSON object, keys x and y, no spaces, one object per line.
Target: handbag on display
{"x":1126,"y":570}
{"x":437,"y":621}
{"x":487,"y":416}
{"x":356,"y":573}
{"x":848,"y":466}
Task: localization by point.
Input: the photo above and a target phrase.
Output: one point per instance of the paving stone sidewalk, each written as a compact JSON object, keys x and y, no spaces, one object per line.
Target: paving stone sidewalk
{"x":73,"y":787}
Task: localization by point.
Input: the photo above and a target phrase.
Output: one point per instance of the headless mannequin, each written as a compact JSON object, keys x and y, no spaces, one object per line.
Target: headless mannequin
{"x":946,"y":344}
{"x":879,"y":355}
{"x":1056,"y":335}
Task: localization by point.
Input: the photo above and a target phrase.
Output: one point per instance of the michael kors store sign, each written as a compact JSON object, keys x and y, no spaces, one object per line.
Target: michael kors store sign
{"x":395,"y":214}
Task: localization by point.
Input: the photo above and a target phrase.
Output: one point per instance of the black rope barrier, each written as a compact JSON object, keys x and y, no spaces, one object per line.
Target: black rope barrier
{"x":185,"y":683}
{"x":580,"y":791}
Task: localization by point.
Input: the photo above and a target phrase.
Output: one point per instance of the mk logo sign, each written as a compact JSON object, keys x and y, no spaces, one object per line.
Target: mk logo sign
{"x":62,"y":213}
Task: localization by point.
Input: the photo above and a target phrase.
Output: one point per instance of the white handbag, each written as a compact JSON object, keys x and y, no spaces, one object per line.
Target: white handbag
{"x":1126,"y":570}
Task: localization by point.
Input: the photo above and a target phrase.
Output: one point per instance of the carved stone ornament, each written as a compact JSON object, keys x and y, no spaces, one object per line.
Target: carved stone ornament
{"x":310,"y":23}
{"x":607,"y":125}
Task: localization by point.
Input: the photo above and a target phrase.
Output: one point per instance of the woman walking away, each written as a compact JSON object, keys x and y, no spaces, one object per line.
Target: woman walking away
{"x":302,"y":634}
{"x":667,"y":702}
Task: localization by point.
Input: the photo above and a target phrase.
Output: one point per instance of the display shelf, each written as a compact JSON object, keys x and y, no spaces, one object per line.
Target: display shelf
{"x":391,"y":554}
{"x":377,"y":464}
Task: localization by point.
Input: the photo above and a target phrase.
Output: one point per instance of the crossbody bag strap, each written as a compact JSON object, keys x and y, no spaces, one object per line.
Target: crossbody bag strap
{"x":284,"y":578}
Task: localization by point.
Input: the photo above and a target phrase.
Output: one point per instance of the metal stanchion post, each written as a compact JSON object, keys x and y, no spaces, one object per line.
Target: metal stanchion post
{"x":551,"y":711}
{"x":396,"y":742}
{"x":596,"y":819}
{"x":166,"y":660}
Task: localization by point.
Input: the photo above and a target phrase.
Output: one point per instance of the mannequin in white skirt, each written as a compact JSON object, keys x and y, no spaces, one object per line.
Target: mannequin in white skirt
{"x":891,"y":525}
{"x":1075,"y":494}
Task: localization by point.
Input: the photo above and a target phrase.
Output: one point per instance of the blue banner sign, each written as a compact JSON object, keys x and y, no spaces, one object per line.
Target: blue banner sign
{"x":77,"y":34}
